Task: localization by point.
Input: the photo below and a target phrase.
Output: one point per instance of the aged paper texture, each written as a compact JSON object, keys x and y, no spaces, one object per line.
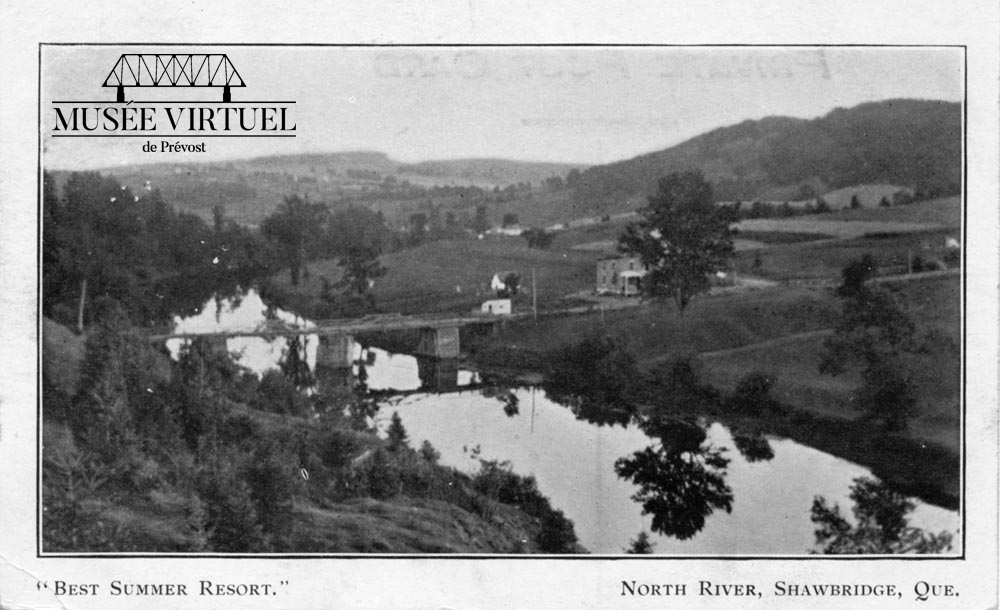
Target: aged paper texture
{"x":563,"y":306}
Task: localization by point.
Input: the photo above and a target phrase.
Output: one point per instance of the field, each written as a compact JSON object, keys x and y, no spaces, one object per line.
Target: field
{"x":825,"y":259}
{"x":656,"y":331}
{"x":455,"y":275}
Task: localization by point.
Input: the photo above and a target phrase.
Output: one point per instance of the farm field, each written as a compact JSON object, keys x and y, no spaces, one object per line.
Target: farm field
{"x":455,"y":275}
{"x":825,"y":259}
{"x":656,"y":332}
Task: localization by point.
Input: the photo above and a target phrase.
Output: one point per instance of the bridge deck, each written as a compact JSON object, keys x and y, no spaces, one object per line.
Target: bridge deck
{"x":345,"y":327}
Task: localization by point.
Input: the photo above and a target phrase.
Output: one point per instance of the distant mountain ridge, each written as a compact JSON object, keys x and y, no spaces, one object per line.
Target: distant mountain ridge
{"x":914,"y":143}
{"x":504,"y":171}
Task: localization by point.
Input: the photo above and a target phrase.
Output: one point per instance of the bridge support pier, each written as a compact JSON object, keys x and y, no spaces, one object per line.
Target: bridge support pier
{"x":334,"y":351}
{"x":439,"y":342}
{"x":226,"y":95}
{"x":437,"y":375}
{"x":333,"y":362}
{"x":121,"y":94}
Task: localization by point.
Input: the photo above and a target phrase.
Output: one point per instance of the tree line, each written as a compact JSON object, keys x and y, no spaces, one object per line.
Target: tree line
{"x":102,"y":241}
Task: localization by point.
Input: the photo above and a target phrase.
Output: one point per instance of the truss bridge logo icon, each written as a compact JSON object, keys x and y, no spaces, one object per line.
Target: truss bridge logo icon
{"x":213,"y":70}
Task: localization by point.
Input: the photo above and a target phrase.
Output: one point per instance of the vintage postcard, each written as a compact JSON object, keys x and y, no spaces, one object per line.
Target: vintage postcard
{"x":495,"y":323}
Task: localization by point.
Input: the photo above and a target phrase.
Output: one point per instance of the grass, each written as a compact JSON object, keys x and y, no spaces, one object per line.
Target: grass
{"x":455,"y":275}
{"x":656,"y":331}
{"x":62,"y":353}
{"x":933,"y":305}
{"x":825,"y":260}
{"x":406,"y":526}
{"x":944,"y":212}
{"x":781,"y":237}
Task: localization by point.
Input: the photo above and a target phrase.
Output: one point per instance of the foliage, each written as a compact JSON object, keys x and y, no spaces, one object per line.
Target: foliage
{"x":271,"y":474}
{"x":753,"y":394}
{"x":294,"y":364}
{"x":887,"y":394}
{"x":881,"y":524}
{"x":538,"y":238}
{"x":674,"y":386}
{"x":295,"y":229}
{"x":915,"y":143}
{"x":277,"y":393}
{"x":396,"y":434}
{"x":497,"y":481}
{"x":594,"y":378}
{"x":100,"y":238}
{"x":682,"y":239}
{"x":429,"y":453}
{"x":481,"y":222}
{"x":509,"y":220}
{"x":231,"y":516}
{"x":854,"y":276}
{"x":679,"y":488}
{"x":641,"y":545}
{"x":872,"y":331}
{"x":357,"y":237}
{"x":511,"y":285}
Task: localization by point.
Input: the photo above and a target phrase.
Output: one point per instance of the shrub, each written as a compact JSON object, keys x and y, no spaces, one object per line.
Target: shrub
{"x":272,"y":475}
{"x":231,"y":517}
{"x":753,"y":394}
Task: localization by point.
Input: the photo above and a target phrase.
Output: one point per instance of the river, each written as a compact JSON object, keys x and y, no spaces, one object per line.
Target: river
{"x":574,"y":461}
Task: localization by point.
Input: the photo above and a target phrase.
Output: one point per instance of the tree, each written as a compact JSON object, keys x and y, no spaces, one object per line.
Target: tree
{"x":682,"y":239}
{"x":509,"y":220}
{"x":822,"y":207}
{"x":641,"y":545}
{"x":679,"y":487}
{"x":872,"y":331}
{"x":397,"y":433}
{"x":357,"y":236}
{"x":418,"y":228}
{"x":94,"y":241}
{"x":594,"y":378}
{"x":295,"y":229}
{"x":882,"y":524}
{"x":855,"y":203}
{"x":481,"y":223}
{"x":538,"y":238}
{"x":511,"y":286}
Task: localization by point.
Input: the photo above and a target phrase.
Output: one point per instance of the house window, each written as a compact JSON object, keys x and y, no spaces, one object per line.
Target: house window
{"x":631,"y":265}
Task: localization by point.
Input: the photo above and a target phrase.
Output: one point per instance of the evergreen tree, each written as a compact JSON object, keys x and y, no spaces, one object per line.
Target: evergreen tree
{"x":397,"y":433}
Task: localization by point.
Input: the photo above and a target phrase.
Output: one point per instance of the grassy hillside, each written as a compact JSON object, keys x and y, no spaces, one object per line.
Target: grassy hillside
{"x":932,"y":303}
{"x":912,"y":143}
{"x":454,"y":275}
{"x":250,"y":189}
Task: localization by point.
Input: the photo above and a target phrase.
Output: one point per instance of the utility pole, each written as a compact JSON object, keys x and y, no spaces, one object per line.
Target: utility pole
{"x":534,"y":296}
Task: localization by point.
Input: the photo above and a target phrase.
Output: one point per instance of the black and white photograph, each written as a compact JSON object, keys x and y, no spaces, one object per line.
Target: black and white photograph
{"x":504,"y":300}
{"x":469,"y":306}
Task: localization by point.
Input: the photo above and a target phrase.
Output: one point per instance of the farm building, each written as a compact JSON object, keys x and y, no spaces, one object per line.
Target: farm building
{"x":496,"y":307}
{"x":620,"y":275}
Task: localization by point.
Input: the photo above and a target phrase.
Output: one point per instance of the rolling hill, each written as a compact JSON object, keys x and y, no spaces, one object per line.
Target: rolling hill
{"x":910,"y":143}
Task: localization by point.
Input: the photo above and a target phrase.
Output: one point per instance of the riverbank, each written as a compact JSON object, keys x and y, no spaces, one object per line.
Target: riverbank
{"x":780,"y":332}
{"x":234,"y":463}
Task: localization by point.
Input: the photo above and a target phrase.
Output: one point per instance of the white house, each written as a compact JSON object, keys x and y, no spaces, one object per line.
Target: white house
{"x":496,"y":307}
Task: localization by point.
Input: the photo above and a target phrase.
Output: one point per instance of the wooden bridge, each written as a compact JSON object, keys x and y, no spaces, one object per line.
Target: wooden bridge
{"x":439,"y":334}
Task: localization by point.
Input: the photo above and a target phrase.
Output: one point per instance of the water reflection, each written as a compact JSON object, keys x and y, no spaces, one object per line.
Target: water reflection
{"x":614,"y":466}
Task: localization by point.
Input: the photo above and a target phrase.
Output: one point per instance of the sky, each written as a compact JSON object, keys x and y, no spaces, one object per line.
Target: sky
{"x":584,"y":105}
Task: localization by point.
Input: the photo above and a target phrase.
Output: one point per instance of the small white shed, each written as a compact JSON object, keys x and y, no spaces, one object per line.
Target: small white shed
{"x":496,"y":307}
